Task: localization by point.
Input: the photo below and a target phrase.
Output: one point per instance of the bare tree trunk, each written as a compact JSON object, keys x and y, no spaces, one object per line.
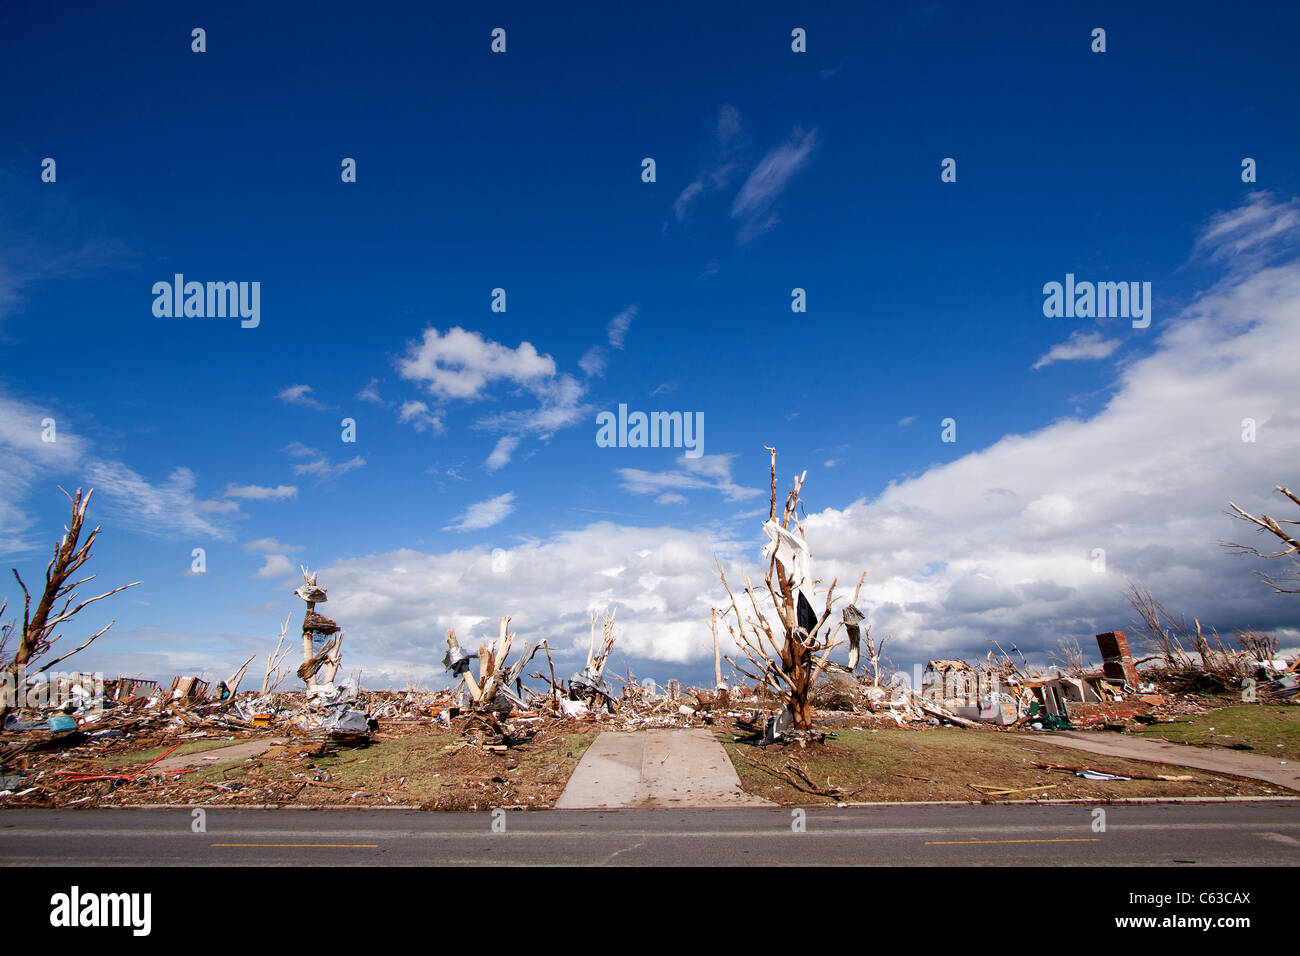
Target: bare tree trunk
{"x":717,"y":657}
{"x":37,"y":637}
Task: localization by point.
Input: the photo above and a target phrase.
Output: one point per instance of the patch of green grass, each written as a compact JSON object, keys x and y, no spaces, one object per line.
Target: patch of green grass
{"x":424,"y":770}
{"x":1259,"y":727}
{"x":950,"y":764}
{"x":139,"y":758}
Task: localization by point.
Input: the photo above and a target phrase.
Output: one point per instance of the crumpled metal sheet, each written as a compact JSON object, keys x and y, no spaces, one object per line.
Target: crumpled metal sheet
{"x":588,"y":683}
{"x":345,"y":720}
{"x":457,"y":661}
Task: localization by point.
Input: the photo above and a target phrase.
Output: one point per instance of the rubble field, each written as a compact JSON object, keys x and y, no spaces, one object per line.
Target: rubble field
{"x":433,"y":765}
{"x":940,"y":763}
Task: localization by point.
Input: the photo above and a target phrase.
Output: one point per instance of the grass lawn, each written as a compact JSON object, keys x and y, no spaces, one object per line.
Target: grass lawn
{"x":138,"y":758}
{"x":944,"y":763}
{"x":431,"y":770}
{"x":1248,"y":726}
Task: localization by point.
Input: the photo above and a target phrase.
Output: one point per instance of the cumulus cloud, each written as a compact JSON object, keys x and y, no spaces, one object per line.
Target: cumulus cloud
{"x":460,"y":364}
{"x":1004,"y":543}
{"x":484,"y":514}
{"x":419,"y":416}
{"x":659,"y":581}
{"x":275,"y":566}
{"x":1080,"y":346}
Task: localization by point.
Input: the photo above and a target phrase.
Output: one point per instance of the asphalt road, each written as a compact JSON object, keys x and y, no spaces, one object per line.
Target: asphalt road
{"x":1254,"y":834}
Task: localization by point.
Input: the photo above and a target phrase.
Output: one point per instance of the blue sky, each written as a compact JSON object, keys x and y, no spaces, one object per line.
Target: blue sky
{"x":522,"y":171}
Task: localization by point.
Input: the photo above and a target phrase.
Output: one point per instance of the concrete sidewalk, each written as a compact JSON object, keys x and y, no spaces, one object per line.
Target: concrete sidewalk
{"x":208,"y":758}
{"x":655,"y":768}
{"x":1234,"y":762}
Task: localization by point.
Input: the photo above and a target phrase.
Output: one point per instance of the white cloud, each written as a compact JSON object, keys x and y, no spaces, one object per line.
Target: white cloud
{"x":371,"y":393}
{"x":419,"y":416}
{"x":755,"y":204}
{"x":1080,"y":346}
{"x":722,"y":165}
{"x":261,"y":492}
{"x":484,"y":514}
{"x":904,"y":422}
{"x":1000,"y":543}
{"x":461,"y":364}
{"x":269,"y":544}
{"x":593,"y":362}
{"x":500,"y":457}
{"x":618,"y":326}
{"x":320,"y":466}
{"x":169,"y":509}
{"x":301,"y":395}
{"x":25,"y":460}
{"x":275,"y":566}
{"x":560,"y":407}
{"x":711,"y":472}
{"x":1250,"y":235}
{"x":659,"y":580}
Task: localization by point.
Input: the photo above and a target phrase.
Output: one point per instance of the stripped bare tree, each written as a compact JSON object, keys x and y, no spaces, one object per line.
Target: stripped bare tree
{"x":1266,"y":525}
{"x":786,"y":657}
{"x":1069,"y":656}
{"x":325,"y":662}
{"x":494,"y":676}
{"x":274,"y":660}
{"x":55,"y":607}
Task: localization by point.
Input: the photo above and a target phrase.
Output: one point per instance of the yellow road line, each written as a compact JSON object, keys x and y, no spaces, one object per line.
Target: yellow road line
{"x":970,"y":842}
{"x":359,"y":845}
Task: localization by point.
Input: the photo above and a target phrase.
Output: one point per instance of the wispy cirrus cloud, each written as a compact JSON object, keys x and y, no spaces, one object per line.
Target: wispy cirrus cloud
{"x":370,"y":393}
{"x":756,"y":205}
{"x":301,"y":395}
{"x":1080,"y":346}
{"x":484,"y":514}
{"x":618,"y":326}
{"x":318,"y":464}
{"x":26,"y":457}
{"x":708,"y":472}
{"x":261,"y":492}
{"x":721,"y":167}
{"x":165,"y":509}
{"x":1252,"y":234}
{"x":502,"y":452}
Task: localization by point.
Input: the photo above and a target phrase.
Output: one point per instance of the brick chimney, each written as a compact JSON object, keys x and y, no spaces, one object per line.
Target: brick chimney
{"x":1116,"y":661}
